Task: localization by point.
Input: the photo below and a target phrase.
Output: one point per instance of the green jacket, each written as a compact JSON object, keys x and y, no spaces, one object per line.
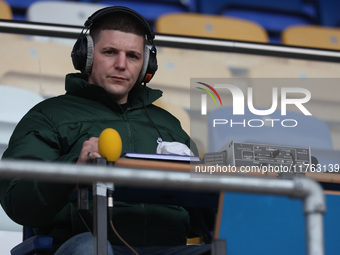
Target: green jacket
{"x":55,"y":129}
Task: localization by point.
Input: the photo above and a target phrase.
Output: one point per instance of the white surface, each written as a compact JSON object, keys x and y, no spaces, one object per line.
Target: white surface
{"x":14,"y":103}
{"x":67,"y":13}
{"x":9,"y":239}
{"x":61,"y":12}
{"x":10,"y":233}
{"x":6,"y":224}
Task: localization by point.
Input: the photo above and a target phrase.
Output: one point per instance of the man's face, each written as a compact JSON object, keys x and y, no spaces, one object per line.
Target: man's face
{"x":117,"y":62}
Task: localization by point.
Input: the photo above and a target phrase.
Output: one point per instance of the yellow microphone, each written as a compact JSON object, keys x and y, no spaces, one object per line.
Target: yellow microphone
{"x":110,"y":144}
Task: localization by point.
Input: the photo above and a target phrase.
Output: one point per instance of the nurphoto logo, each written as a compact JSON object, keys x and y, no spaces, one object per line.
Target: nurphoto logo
{"x":280,"y":99}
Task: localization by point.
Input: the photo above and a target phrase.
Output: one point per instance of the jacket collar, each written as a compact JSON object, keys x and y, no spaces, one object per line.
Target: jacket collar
{"x":77,"y":84}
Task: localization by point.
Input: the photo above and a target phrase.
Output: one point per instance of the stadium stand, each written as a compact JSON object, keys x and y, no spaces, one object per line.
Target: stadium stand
{"x":312,"y":36}
{"x":60,"y":12}
{"x":20,"y":7}
{"x":274,"y":16}
{"x":329,"y":12}
{"x":20,"y":4}
{"x":212,"y":26}
{"x":5,"y":11}
{"x":152,"y":9}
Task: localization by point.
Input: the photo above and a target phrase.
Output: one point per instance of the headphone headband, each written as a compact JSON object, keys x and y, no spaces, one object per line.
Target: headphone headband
{"x":112,"y":9}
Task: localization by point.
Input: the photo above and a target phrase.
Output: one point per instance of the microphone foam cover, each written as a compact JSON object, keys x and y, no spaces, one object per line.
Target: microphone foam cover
{"x":110,"y":144}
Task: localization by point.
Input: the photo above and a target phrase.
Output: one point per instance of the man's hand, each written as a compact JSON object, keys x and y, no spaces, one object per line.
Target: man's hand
{"x":89,"y":151}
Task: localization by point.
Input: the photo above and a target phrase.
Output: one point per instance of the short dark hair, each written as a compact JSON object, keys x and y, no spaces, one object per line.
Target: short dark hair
{"x":117,"y":21}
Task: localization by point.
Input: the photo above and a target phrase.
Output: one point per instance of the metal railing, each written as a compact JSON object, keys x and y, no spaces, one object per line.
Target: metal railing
{"x":64,"y":31}
{"x":300,"y":188}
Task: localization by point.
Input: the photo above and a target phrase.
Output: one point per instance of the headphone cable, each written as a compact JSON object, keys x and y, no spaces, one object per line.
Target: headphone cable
{"x":110,"y":203}
{"x":147,"y":113}
{"x":121,"y":239}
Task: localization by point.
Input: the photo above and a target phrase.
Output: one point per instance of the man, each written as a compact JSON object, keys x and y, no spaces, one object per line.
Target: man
{"x":108,"y":93}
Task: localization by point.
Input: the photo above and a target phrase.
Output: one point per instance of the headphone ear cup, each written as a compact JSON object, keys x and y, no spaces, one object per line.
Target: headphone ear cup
{"x":82,"y":53}
{"x":149,"y":65}
{"x":145,"y":65}
{"x":152,"y":65}
{"x":89,"y":55}
{"x":79,"y":53}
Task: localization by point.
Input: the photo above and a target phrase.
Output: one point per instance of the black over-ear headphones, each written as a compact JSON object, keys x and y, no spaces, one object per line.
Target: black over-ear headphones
{"x":82,"y":52}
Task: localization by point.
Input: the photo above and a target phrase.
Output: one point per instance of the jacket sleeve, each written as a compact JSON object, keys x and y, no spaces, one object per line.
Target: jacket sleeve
{"x":33,"y":203}
{"x":35,"y":137}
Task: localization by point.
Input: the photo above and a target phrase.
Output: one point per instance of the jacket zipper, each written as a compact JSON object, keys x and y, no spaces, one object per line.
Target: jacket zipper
{"x":128,"y":127}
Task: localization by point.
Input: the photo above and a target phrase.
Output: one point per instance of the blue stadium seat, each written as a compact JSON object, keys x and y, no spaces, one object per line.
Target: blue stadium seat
{"x":20,"y":4}
{"x":205,"y":6}
{"x":20,"y":7}
{"x":152,"y":9}
{"x":34,"y":245}
{"x":329,"y":13}
{"x":274,"y":16}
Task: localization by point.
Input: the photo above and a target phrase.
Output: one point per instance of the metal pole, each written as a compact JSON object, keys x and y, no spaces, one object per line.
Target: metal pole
{"x":314,"y":234}
{"x":68,"y":31}
{"x":302,"y":188}
{"x":100,"y":218}
{"x":314,"y":208}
